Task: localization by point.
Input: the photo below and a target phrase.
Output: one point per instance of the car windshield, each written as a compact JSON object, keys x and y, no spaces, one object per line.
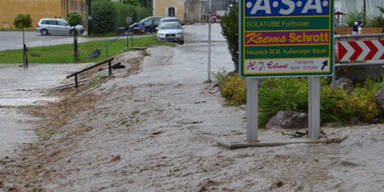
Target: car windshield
{"x":141,"y":21}
{"x":170,"y":20}
{"x":170,"y":26}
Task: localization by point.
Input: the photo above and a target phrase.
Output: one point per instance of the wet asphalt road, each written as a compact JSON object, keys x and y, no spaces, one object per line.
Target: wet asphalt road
{"x":22,"y":87}
{"x":14,"y":39}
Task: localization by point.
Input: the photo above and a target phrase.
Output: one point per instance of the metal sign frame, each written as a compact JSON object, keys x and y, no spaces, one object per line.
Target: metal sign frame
{"x":316,"y":19}
{"x":313,"y":76}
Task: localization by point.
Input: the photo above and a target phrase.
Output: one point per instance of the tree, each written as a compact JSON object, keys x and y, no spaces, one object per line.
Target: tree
{"x":230,"y":26}
{"x":104,"y":16}
{"x":74,"y":19}
{"x":21,"y":22}
{"x":146,"y":3}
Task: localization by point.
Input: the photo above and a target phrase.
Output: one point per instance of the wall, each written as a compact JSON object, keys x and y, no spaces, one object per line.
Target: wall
{"x":365,"y":30}
{"x":160,"y":8}
{"x":38,"y":9}
{"x":349,"y":6}
{"x":218,"y":5}
{"x":194,"y":10}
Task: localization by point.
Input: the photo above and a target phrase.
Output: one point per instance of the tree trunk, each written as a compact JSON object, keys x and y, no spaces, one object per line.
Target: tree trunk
{"x":75,"y":49}
{"x":23,"y":37}
{"x":24,"y":51}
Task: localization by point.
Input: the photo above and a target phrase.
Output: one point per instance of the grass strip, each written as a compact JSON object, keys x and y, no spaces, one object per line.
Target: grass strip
{"x":64,"y":53}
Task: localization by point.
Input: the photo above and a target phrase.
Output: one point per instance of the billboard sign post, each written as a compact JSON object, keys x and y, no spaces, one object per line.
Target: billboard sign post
{"x":287,"y":38}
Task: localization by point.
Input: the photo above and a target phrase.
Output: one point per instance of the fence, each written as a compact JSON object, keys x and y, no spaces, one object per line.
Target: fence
{"x":352,"y":50}
{"x":109,"y":61}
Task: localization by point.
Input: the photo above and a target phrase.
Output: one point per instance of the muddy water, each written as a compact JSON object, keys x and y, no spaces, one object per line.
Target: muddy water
{"x":24,"y":87}
{"x":14,"y":129}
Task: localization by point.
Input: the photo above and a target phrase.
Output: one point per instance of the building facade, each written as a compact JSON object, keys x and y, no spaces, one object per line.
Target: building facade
{"x":218,"y":5}
{"x":185,"y":10}
{"x":195,"y":10}
{"x":38,"y":9}
{"x":169,"y":8}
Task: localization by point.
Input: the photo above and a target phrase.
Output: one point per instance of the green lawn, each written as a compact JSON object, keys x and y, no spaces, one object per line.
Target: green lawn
{"x":64,"y":53}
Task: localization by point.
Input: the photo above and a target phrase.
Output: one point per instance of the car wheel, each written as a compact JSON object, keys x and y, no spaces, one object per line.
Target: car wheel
{"x":44,"y":32}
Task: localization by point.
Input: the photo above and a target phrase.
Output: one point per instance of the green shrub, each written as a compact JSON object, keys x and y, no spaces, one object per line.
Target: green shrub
{"x":230,"y":26}
{"x":375,"y":22}
{"x":342,"y":106}
{"x":234,"y":89}
{"x":143,"y":12}
{"x":127,"y":10}
{"x":291,"y":94}
{"x":368,"y":22}
{"x":104,"y":16}
{"x":135,"y":3}
{"x":22,"y":21}
{"x":351,"y":18}
{"x":124,"y":11}
{"x":277,"y":94}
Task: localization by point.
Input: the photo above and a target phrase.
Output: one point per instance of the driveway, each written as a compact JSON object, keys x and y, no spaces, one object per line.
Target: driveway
{"x":199,"y":33}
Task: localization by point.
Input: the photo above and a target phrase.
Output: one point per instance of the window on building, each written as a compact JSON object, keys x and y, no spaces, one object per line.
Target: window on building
{"x":171,"y":11}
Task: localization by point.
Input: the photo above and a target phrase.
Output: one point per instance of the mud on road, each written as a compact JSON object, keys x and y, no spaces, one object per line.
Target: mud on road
{"x":154,"y":127}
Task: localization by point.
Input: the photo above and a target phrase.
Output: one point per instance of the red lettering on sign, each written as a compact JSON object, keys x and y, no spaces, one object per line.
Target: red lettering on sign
{"x":272,"y":65}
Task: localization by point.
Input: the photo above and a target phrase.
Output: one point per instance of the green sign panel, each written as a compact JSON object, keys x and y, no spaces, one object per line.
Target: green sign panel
{"x":286,"y":38}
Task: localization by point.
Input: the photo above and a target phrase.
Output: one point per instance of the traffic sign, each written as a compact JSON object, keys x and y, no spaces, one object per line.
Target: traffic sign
{"x":361,"y":50}
{"x":286,"y":38}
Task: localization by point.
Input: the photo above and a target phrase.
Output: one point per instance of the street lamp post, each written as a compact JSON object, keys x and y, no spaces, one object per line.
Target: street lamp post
{"x":209,"y":40}
{"x":89,"y":17}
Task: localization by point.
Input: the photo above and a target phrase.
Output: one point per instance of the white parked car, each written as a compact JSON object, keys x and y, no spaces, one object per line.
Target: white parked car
{"x":170,"y":31}
{"x":56,"y":26}
{"x":169,"y":19}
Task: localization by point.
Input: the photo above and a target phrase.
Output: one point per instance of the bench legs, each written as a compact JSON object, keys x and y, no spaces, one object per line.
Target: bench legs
{"x":76,"y":82}
{"x":109,"y":68}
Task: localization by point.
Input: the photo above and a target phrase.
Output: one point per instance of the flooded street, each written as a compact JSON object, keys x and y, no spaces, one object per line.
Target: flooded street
{"x":25,"y":87}
{"x":154,"y":126}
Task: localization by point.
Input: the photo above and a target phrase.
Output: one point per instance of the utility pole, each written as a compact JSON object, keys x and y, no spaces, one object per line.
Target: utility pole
{"x":209,"y":40}
{"x":89,"y":17}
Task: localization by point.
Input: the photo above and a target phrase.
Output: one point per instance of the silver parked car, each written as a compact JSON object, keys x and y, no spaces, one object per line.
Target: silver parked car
{"x":56,"y":26}
{"x":170,"y":31}
{"x":169,"y":19}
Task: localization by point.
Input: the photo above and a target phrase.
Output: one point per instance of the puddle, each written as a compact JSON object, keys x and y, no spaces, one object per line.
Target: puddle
{"x":15,"y":129}
{"x":23,"y":101}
